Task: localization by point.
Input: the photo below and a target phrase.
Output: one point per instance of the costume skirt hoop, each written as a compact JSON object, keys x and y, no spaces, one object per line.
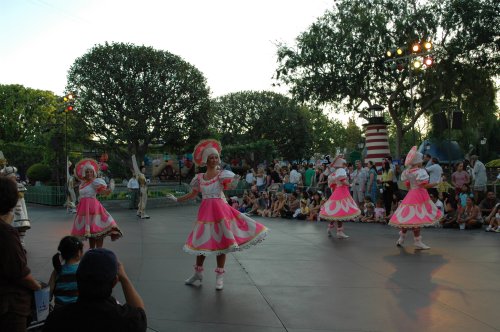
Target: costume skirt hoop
{"x":93,"y":221}
{"x":221,"y":229}
{"x":340,"y":206}
{"x":416,"y":210}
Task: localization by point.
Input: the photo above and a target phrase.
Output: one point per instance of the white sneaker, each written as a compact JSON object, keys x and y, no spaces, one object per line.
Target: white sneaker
{"x":419,"y":245}
{"x":219,"y":281}
{"x":400,"y":241}
{"x":497,"y":230}
{"x":489,"y":229}
{"x":341,"y":235}
{"x":196,"y":276}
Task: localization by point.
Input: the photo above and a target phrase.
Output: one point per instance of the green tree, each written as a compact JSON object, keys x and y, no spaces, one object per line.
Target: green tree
{"x":26,"y":114}
{"x":327,"y":134}
{"x":132,"y":96}
{"x":245,"y":117}
{"x":339,"y":59}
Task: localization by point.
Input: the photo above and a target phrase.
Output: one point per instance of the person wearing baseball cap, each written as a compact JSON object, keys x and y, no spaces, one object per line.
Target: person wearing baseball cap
{"x":96,"y":310}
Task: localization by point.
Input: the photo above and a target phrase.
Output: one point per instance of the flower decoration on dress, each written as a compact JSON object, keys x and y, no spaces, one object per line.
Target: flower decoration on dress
{"x":413,"y":157}
{"x":83,"y":165}
{"x":204,"y":149}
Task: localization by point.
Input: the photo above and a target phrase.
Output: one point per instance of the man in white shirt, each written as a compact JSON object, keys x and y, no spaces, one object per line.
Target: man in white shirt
{"x":133,"y":187}
{"x":435,"y":172}
{"x":295,"y":176}
{"x":250,"y":177}
{"x":359,"y":177}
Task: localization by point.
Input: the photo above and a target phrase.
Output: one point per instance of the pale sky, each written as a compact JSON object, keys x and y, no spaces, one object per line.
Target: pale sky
{"x":231,"y":41}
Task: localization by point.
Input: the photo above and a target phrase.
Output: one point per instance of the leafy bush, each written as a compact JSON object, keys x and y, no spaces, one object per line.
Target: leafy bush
{"x":39,"y":172}
{"x":493,"y":163}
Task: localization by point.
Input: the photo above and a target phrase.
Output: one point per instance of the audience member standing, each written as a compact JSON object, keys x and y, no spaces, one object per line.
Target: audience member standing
{"x":359,"y":179}
{"x":435,"y":171}
{"x":371,"y":187}
{"x":479,"y":178}
{"x":133,"y":188}
{"x":459,"y":178}
{"x":16,"y":281}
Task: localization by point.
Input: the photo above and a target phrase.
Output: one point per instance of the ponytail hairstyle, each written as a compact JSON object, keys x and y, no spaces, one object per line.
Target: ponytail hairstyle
{"x":67,"y":249}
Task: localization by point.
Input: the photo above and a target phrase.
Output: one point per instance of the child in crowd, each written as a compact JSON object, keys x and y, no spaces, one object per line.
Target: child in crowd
{"x":493,"y":220}
{"x":379,"y":212}
{"x":317,"y":201}
{"x":462,"y":198}
{"x":449,"y":220}
{"x":63,"y":279}
{"x":234,"y":202}
{"x":302,"y":212}
{"x":369,"y":211}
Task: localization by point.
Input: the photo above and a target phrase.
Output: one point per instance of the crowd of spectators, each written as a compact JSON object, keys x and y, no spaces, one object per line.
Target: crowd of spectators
{"x":298,"y":191}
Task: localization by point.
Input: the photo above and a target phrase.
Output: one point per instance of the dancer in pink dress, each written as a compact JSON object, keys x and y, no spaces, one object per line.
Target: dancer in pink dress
{"x":340,"y":206}
{"x":417,"y":209}
{"x":92,"y":221}
{"x":219,"y":228}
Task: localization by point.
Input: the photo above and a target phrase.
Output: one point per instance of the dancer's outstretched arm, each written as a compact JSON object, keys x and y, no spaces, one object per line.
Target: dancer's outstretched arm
{"x":183,"y":198}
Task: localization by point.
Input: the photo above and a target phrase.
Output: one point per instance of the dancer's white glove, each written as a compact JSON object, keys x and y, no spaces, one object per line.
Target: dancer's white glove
{"x":171,"y":197}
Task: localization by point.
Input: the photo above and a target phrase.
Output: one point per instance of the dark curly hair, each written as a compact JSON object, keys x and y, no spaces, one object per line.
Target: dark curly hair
{"x":68,"y":248}
{"x":8,"y":194}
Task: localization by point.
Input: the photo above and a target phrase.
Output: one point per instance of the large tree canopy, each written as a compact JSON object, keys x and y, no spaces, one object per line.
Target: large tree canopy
{"x":340,"y":58}
{"x":26,"y":114}
{"x":245,"y":117}
{"x":136,"y":95}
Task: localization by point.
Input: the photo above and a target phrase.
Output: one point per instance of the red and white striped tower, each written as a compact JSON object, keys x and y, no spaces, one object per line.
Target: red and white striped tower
{"x":377,"y":141}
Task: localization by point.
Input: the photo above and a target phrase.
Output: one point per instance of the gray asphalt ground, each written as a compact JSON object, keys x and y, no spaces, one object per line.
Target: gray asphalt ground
{"x":298,"y":279}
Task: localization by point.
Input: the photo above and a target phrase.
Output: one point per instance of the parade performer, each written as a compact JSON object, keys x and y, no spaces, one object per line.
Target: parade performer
{"x":219,"y":228}
{"x":340,"y":206}
{"x":21,"y":221}
{"x":143,"y":190}
{"x":92,"y":221}
{"x":71,"y":195}
{"x":417,"y":209}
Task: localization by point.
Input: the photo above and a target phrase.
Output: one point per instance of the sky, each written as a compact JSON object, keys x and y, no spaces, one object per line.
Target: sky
{"x":232,"y":42}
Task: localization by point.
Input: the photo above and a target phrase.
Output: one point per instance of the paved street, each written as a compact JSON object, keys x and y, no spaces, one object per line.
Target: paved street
{"x":298,"y":280}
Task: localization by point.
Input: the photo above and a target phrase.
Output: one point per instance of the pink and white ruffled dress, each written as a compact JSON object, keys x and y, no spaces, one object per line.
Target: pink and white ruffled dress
{"x":416,"y":209}
{"x":92,"y":220}
{"x":219,"y":228}
{"x":340,"y":206}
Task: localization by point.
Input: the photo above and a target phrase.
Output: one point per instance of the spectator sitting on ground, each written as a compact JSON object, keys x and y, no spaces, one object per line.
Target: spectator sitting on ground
{"x":488,"y":203}
{"x":234,"y":202}
{"x":379,"y":211}
{"x":449,"y":219}
{"x":470,"y":215}
{"x":63,"y":279}
{"x":96,"y":310}
{"x":291,"y":206}
{"x":315,"y":205}
{"x":493,"y":219}
{"x":16,"y":282}
{"x":279,"y":204}
{"x":246,"y":203}
{"x":302,"y":212}
{"x":265,"y":203}
{"x":394,"y":204}
{"x":369,"y":212}
{"x":437,"y":202}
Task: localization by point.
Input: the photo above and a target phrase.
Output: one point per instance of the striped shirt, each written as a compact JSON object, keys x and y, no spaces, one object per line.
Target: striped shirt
{"x":66,"y":289}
